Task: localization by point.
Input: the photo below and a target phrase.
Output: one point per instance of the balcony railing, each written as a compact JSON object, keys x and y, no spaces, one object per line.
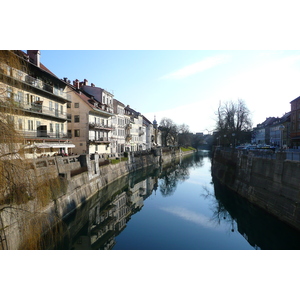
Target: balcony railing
{"x":35,"y":82}
{"x":44,"y":134}
{"x":101,"y":126}
{"x":101,"y":140}
{"x":38,"y":107}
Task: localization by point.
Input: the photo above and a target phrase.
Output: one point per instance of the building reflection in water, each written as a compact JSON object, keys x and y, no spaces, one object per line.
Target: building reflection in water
{"x":97,"y":223}
{"x":108,"y":212}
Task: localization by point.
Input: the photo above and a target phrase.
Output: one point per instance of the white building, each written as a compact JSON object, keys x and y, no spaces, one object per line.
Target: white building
{"x":119,"y":123}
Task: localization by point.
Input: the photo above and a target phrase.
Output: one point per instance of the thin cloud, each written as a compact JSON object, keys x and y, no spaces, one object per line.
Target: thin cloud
{"x":191,"y":216}
{"x":197,"y":67}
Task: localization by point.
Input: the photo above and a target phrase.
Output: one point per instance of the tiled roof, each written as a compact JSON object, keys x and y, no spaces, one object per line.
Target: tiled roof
{"x":47,"y":70}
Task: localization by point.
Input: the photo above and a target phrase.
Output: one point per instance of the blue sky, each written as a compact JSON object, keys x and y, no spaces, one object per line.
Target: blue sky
{"x":187,"y":85}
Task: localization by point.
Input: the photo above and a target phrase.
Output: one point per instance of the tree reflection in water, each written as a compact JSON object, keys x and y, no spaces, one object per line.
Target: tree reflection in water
{"x":178,"y":172}
{"x":260,"y":229}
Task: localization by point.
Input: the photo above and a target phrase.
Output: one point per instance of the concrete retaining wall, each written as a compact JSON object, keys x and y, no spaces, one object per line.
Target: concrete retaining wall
{"x":270,"y":182}
{"x":81,"y":177}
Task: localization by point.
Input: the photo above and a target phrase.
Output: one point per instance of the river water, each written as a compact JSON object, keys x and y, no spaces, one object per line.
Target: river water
{"x":178,"y":207}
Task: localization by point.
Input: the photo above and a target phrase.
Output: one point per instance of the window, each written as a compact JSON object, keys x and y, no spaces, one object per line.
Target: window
{"x":61,"y":109}
{"x":20,"y":97}
{"x":9,"y":92}
{"x":32,"y":98}
{"x":62,"y":127}
{"x":76,"y":105}
{"x":30,"y":125}
{"x":77,"y":133}
{"x":27,"y":99}
{"x":20,"y":124}
{"x":68,"y":105}
{"x":51,"y":127}
{"x":76,"y":119}
{"x":50,"y":105}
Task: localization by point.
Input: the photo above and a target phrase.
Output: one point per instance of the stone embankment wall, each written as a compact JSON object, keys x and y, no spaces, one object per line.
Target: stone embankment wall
{"x":268,"y":180}
{"x":81,"y":177}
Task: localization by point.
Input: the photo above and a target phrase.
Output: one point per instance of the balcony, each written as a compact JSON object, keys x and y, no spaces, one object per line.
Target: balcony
{"x":38,"y":107}
{"x":128,"y":137}
{"x":29,"y":80}
{"x":101,"y":140}
{"x":100,"y":126}
{"x":44,"y":135}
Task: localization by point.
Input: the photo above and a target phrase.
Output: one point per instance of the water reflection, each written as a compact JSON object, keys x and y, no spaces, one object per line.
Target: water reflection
{"x":176,"y":173}
{"x":99,"y":221}
{"x":261,"y":230}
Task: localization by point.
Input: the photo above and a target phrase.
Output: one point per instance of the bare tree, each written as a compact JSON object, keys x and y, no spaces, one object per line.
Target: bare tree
{"x":184,"y":135}
{"x":233,"y":121}
{"x":169,"y":132}
{"x":23,"y":193}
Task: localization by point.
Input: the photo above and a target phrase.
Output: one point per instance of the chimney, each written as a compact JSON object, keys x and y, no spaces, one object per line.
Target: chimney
{"x":65,"y":79}
{"x":34,"y":57}
{"x":76,"y":84}
{"x":85,"y":82}
{"x":92,"y":85}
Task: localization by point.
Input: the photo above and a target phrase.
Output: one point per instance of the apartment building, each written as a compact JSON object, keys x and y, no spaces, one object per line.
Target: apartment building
{"x":149,"y":133}
{"x":134,"y":130}
{"x":89,"y":119}
{"x":280,"y":131}
{"x":119,"y":124}
{"x":261,"y":133}
{"x":41,"y":99}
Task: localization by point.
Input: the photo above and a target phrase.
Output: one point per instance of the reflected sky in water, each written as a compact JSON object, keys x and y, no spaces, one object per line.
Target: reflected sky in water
{"x":182,"y":218}
{"x":176,"y":207}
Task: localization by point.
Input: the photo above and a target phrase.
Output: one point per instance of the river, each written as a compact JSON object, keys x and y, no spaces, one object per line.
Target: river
{"x":177,"y":207}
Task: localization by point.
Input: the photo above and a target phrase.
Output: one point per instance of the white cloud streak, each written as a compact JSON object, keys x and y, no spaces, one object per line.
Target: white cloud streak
{"x":191,"y":216}
{"x":197,"y":67}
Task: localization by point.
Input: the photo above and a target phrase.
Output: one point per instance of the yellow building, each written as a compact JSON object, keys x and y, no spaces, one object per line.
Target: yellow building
{"x":90,"y":117}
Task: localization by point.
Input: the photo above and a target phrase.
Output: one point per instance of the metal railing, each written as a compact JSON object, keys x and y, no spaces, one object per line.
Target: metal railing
{"x":101,"y":126}
{"x":40,"y":108}
{"x":44,"y":134}
{"x":35,"y":82}
{"x":280,"y":154}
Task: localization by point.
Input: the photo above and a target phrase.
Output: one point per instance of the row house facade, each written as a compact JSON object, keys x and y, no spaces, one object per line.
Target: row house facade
{"x":41,"y":99}
{"x":273,"y":131}
{"x":261,"y":133}
{"x":59,"y":117}
{"x":119,"y":121}
{"x":99,"y":123}
{"x":89,"y":123}
{"x":135,"y":138}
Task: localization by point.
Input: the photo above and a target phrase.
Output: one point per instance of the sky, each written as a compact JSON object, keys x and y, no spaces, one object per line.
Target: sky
{"x":187,"y":86}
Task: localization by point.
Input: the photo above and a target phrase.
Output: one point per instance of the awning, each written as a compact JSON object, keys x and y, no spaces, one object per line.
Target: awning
{"x":50,"y":145}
